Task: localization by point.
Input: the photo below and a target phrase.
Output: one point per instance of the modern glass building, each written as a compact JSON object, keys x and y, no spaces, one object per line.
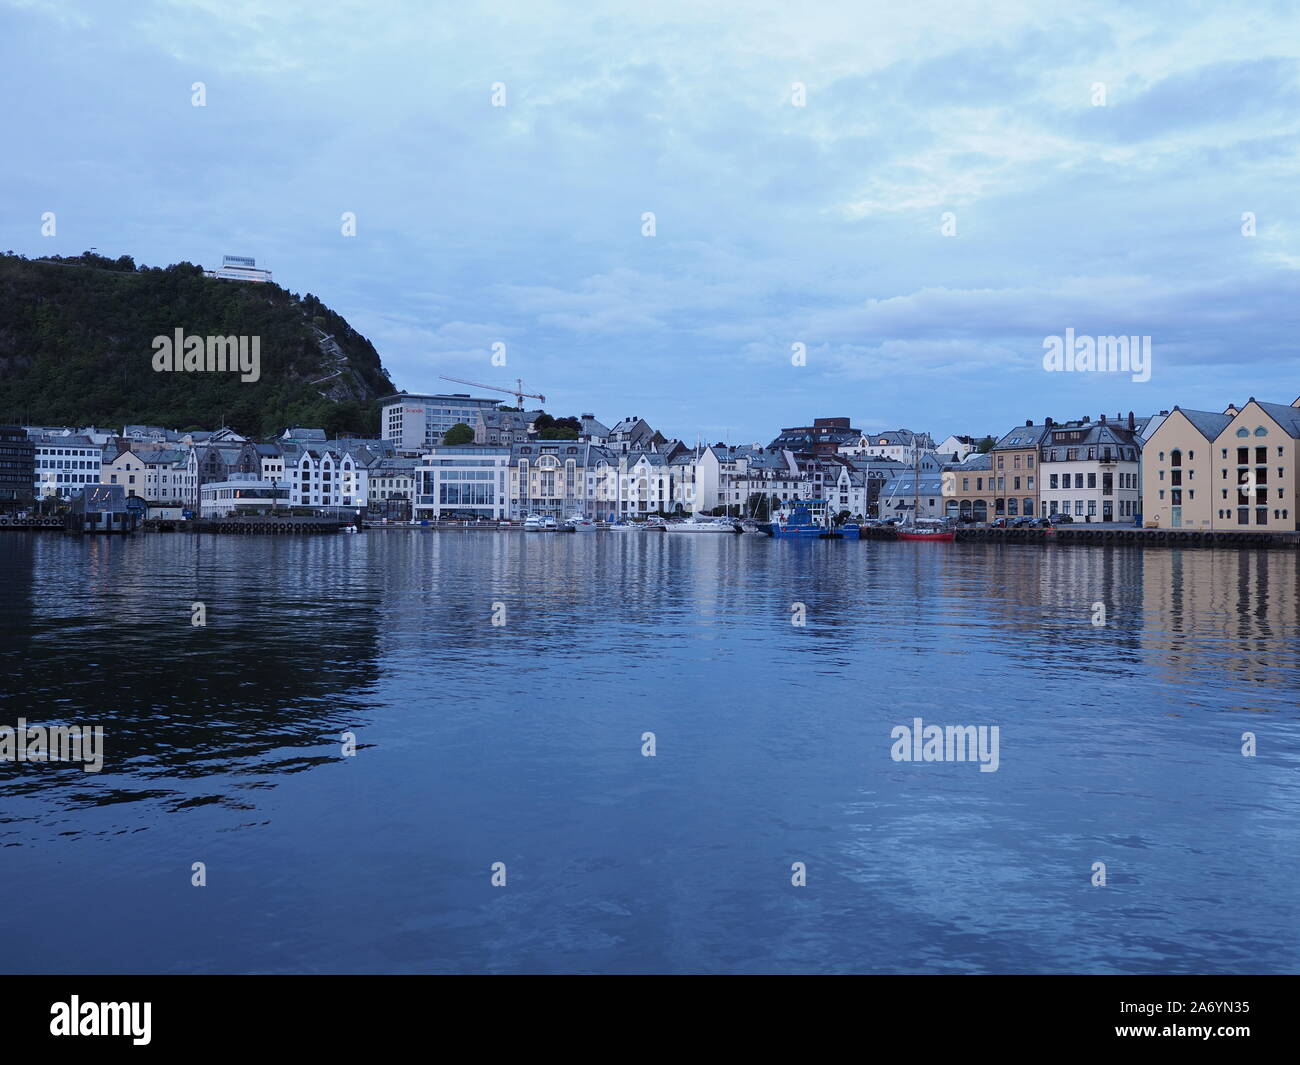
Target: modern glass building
{"x":17,"y":467}
{"x":462,"y":482}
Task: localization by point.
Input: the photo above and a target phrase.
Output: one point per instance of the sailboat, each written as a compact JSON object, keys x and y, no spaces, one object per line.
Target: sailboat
{"x":914,"y":531}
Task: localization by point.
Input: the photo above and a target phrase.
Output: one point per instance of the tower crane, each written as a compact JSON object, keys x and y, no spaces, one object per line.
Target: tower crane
{"x":518,"y":391}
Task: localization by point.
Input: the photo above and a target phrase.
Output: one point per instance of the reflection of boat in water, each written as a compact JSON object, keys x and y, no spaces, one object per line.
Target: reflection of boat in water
{"x":696,"y":524}
{"x":925,"y":532}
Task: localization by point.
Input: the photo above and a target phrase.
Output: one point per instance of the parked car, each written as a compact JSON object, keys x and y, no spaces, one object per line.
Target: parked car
{"x":1062,"y":519}
{"x":1041,"y":523}
{"x":1022,"y":523}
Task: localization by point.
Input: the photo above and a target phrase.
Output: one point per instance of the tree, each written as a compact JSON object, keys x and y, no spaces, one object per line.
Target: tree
{"x":460,"y":433}
{"x":986,"y":445}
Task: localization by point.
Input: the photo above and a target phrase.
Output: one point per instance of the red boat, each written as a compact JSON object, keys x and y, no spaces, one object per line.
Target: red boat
{"x":938,"y":535}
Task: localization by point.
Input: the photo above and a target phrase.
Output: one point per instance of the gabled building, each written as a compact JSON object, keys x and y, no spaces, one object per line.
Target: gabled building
{"x":326,"y":477}
{"x":1015,"y":473}
{"x":1092,"y":471}
{"x":1178,"y":480}
{"x":593,"y":431}
{"x":633,"y":434}
{"x":504,"y":427}
{"x":1238,"y":471}
{"x":900,"y":445}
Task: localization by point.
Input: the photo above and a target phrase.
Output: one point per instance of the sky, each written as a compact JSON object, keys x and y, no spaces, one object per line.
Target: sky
{"x":873,"y":211}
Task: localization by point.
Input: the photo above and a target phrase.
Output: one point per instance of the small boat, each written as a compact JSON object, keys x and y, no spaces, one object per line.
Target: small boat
{"x":936,"y":533}
{"x":697,"y":524}
{"x":802,"y":521}
{"x":534,"y":523}
{"x":578,"y":523}
{"x":550,"y":524}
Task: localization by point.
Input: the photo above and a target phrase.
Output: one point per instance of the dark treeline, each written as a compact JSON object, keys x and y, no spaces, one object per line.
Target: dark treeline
{"x":76,"y":348}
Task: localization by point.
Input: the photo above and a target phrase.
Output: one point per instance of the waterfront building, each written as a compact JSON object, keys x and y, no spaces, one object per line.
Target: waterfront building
{"x":327,"y":478}
{"x":243,"y":494}
{"x":1238,"y":471}
{"x":1257,"y":472}
{"x":1178,"y":485}
{"x":732,"y":477}
{"x":964,"y":488}
{"x":17,"y":468}
{"x":1092,"y":470}
{"x":413,"y":423}
{"x":1015,"y":475}
{"x":460,"y":481}
{"x":64,"y":463}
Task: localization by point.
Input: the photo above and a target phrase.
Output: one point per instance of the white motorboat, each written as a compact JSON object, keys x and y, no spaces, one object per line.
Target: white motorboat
{"x":534,"y":523}
{"x":579,"y":523}
{"x":695,"y":524}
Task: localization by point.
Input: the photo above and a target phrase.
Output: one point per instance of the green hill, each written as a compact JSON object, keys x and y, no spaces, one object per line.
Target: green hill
{"x":76,"y":348}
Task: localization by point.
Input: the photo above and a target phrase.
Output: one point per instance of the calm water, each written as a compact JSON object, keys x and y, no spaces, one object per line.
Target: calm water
{"x":522,"y":744}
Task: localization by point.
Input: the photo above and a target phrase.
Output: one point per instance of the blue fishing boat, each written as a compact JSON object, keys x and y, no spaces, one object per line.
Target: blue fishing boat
{"x":806,"y":520}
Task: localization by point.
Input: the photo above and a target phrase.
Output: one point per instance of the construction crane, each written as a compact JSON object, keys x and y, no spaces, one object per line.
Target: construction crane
{"x":518,"y":391}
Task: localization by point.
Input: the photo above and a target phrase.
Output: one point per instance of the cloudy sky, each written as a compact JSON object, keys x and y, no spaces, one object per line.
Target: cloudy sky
{"x":775,"y":224}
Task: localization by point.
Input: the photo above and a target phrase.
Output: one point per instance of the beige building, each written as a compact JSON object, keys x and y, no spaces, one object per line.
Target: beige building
{"x":1232,"y":472}
{"x":1255,"y":479}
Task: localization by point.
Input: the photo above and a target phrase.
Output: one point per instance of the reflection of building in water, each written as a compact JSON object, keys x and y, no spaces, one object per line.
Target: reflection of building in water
{"x":1233,"y":612}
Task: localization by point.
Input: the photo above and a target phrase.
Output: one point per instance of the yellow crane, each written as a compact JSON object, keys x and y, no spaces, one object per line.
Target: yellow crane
{"x":518,"y":391}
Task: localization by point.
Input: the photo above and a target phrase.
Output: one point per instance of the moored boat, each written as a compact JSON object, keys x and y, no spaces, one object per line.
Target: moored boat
{"x":697,"y":524}
{"x":915,"y":532}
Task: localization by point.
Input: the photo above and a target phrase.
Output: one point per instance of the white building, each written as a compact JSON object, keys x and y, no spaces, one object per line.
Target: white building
{"x":901,"y":445}
{"x":1093,"y":470}
{"x":462,"y":481}
{"x":244,"y":493}
{"x":326,"y":478}
{"x":65,"y":462}
{"x":415,"y":423}
{"x":239,"y":268}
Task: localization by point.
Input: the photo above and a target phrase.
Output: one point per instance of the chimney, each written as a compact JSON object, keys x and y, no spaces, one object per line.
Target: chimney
{"x":1103,"y":419}
{"x":1132,"y":422}
{"x":1048,"y":422}
{"x":1029,"y":422}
